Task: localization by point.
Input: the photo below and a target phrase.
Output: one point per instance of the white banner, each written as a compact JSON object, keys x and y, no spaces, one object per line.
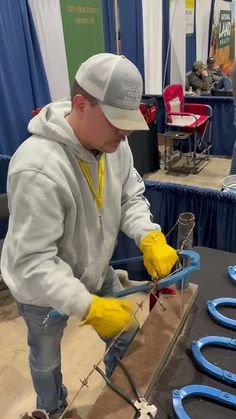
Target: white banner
{"x":178,"y":42}
{"x":152,"y":45}
{"x":202,"y":29}
{"x":189,"y":16}
{"x":48,"y":24}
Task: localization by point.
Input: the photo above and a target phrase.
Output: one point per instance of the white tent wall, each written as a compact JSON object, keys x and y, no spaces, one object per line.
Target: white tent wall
{"x":48,"y":24}
{"x":152,"y":45}
{"x":178,"y":41}
{"x":203,"y":11}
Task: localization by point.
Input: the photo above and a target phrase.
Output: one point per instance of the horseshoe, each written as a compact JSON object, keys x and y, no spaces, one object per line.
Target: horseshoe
{"x":213,"y":394}
{"x":218,"y":317}
{"x":206,"y":366}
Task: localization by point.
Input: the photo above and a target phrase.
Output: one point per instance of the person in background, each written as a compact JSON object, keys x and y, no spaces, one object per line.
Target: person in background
{"x":204,"y":82}
{"x":214,"y":70}
{"x":199,"y":80}
{"x":219,"y":80}
{"x":72,"y":187}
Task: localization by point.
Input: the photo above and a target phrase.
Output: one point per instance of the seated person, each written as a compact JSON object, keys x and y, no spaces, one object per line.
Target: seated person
{"x":199,"y":79}
{"x":203,"y":82}
{"x":214,"y":70}
{"x":219,"y":80}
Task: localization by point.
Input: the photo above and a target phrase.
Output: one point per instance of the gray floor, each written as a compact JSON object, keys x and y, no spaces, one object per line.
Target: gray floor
{"x":210,"y":175}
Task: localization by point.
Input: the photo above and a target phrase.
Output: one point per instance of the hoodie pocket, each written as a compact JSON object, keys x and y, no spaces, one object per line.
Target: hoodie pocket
{"x":94,"y":274}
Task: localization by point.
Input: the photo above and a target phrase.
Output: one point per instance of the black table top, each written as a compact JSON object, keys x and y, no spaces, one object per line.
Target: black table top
{"x":180,"y":369}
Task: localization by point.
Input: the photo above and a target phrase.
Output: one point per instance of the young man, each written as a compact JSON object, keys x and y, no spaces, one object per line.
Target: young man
{"x":215,"y":71}
{"x":199,"y":78}
{"x":72,"y":187}
{"x":219,"y":81}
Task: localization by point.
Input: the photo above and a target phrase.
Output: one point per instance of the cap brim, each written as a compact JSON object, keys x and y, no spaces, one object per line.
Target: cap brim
{"x":124,"y":119}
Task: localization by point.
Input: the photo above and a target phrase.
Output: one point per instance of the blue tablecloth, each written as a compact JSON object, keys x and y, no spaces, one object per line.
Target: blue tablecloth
{"x":223,"y":130}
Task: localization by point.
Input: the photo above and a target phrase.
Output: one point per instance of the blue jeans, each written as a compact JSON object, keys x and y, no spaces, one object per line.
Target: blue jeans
{"x":223,"y":84}
{"x":44,"y":340}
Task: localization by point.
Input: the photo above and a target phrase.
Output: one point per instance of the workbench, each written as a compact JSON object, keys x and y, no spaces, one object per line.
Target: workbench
{"x":180,"y":370}
{"x":160,"y":358}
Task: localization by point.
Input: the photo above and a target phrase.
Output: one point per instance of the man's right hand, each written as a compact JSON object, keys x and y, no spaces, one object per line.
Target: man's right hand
{"x":109,"y":316}
{"x":204,"y":72}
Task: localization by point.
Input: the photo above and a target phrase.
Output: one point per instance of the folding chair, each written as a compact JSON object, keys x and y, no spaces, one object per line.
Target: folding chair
{"x":189,"y":118}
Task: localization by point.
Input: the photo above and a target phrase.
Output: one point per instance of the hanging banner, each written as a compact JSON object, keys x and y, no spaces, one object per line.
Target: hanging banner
{"x":222,"y":46}
{"x":82,"y":22}
{"x":189,"y":16}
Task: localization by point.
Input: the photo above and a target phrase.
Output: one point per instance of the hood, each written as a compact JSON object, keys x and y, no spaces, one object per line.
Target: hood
{"x":50,"y":123}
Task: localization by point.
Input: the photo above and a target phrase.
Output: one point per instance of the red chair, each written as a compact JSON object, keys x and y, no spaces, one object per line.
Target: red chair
{"x":189,"y":118}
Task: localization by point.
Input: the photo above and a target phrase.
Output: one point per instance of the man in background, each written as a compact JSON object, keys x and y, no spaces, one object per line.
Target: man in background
{"x":199,"y":79}
{"x":207,"y":81}
{"x":220,"y":82}
{"x":214,"y":70}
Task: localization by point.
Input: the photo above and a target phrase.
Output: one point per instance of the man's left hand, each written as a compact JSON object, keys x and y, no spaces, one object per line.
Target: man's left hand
{"x":158,"y":257}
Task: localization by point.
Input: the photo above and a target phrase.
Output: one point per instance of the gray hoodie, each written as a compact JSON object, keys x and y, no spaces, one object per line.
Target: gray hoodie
{"x":58,"y":244}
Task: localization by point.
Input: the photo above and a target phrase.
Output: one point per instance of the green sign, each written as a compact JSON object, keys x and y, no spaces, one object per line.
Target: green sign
{"x":224,"y":35}
{"x":83,"y":31}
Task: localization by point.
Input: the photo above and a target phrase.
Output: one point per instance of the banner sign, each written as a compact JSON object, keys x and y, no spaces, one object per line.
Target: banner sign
{"x":189,"y":16}
{"x":82,"y":22}
{"x":224,"y":29}
{"x":222,"y":46}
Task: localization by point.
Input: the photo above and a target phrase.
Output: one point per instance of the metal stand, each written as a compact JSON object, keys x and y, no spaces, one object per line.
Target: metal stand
{"x":174,"y":138}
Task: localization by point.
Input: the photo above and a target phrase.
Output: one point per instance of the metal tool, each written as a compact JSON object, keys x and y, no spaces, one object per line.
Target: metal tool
{"x":210,"y":393}
{"x":232,"y":273}
{"x":194,"y":264}
{"x":140,"y":405}
{"x":223,"y":375}
{"x":218,"y":317}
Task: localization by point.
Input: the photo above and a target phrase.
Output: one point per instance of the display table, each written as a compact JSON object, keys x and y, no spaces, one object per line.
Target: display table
{"x":180,"y":369}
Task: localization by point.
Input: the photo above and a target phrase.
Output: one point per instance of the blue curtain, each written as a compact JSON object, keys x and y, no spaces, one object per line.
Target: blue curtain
{"x":165,"y":42}
{"x":215,"y":214}
{"x":191,"y":45}
{"x":109,"y":26}
{"x":23,"y":81}
{"x":131,"y":31}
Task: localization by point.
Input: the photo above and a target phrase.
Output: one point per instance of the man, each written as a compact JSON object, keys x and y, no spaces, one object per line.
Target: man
{"x":214,"y":70}
{"x":72,"y":187}
{"x":219,"y":81}
{"x":199,"y":79}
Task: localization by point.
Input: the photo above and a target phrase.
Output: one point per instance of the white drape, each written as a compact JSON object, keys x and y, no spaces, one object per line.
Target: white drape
{"x":178,"y":41}
{"x":48,"y":23}
{"x":203,"y":10}
{"x":152,"y":44}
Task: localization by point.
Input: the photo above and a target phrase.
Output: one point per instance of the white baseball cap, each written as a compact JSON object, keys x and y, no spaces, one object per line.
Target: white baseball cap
{"x":118,"y":85}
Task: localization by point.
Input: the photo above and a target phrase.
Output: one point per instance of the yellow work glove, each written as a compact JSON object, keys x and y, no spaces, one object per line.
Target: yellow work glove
{"x":109,"y":316}
{"x":158,"y":257}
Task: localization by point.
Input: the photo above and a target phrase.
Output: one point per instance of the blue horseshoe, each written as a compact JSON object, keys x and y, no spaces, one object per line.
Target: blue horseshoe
{"x":232,"y":273}
{"x":210,"y":393}
{"x":206,"y":366}
{"x":218,"y":317}
{"x":194,"y":264}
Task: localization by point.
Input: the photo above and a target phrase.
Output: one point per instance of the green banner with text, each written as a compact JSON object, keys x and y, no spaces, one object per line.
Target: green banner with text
{"x":82,"y":22}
